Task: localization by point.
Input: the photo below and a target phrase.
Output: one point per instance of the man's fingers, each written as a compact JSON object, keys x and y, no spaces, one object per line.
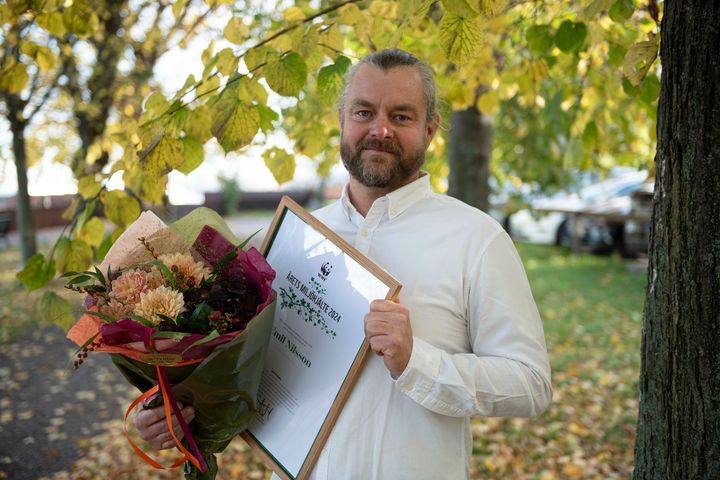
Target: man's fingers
{"x":152,"y":425}
{"x":387,"y":306}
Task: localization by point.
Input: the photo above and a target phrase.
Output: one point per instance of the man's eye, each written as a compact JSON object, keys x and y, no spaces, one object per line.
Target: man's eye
{"x":362,"y":113}
{"x":402,"y":118}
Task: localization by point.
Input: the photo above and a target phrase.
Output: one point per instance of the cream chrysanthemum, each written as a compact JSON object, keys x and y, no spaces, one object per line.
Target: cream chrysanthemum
{"x":163,"y":301}
{"x":186,"y":265}
{"x":128,"y":287}
{"x":116,"y":309}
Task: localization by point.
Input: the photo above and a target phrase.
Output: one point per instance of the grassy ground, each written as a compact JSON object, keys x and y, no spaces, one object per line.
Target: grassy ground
{"x":592,"y":313}
{"x":591,"y":309}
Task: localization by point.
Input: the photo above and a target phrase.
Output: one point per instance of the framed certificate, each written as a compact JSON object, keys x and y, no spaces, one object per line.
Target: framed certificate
{"x":324,"y":289}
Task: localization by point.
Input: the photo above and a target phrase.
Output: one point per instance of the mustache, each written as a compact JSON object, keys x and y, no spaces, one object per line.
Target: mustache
{"x":390,"y":145}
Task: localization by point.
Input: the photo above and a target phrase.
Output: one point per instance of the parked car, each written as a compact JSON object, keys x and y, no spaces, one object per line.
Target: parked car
{"x":636,"y":232}
{"x":549,"y":219}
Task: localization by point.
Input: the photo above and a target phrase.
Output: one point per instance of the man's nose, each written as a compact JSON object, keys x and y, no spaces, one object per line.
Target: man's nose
{"x":381,"y":127}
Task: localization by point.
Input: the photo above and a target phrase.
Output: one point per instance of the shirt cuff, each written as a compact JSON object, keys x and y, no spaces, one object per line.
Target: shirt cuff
{"x":421,"y":371}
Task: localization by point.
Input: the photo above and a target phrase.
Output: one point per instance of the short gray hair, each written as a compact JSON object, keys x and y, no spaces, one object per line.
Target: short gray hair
{"x":392,"y":58}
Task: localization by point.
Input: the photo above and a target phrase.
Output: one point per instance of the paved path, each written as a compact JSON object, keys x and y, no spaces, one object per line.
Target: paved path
{"x":48,"y":410}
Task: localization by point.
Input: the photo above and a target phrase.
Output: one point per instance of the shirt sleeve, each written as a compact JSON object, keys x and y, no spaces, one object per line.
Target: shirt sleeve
{"x":507,"y":373}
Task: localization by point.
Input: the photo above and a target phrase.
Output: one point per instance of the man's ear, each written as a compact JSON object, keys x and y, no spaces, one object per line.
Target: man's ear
{"x":431,"y":128}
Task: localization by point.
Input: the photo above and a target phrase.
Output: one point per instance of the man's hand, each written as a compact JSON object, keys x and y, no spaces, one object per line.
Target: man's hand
{"x":387,"y":327}
{"x":153,"y":427}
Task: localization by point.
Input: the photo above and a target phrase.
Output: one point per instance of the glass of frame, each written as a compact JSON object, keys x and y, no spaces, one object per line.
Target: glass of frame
{"x":324,"y":289}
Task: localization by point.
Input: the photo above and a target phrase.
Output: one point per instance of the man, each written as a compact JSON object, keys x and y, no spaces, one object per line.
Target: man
{"x":465,"y":338}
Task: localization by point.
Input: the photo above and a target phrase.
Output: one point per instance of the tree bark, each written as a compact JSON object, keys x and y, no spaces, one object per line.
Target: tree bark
{"x":24,"y":217}
{"x":678,"y":434}
{"x":469,"y":151}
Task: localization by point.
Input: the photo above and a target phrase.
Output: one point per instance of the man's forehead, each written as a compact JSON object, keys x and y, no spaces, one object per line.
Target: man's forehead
{"x":401,"y":85}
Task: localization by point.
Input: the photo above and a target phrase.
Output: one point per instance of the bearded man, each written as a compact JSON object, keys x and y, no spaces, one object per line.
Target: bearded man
{"x":464,"y":339}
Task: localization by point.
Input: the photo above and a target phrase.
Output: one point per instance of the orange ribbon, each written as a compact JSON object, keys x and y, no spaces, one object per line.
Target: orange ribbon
{"x":161,"y":387}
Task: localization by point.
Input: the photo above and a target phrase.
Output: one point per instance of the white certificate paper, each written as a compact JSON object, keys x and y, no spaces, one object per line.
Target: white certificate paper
{"x":324,"y":289}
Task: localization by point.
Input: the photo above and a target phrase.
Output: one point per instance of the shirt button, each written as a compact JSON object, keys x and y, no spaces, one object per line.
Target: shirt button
{"x":393,"y":212}
{"x":363,"y":232}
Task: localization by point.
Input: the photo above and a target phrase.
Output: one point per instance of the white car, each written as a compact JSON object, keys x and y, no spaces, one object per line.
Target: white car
{"x":546,"y":221}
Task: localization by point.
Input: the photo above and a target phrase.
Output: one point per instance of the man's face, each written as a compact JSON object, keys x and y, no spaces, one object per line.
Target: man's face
{"x":384,"y":128}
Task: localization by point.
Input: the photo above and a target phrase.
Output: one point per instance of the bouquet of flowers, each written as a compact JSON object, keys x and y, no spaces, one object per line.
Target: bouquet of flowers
{"x":186,"y":316}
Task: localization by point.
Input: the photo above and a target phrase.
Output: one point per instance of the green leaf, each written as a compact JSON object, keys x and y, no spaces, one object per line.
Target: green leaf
{"x":236,"y":31}
{"x":13,"y":78}
{"x":104,"y":247}
{"x":55,"y":309}
{"x":210,"y":336}
{"x":267,"y":116}
{"x":590,"y":135}
{"x":226,"y":61}
{"x":596,"y":7}
{"x":235,"y":123}
{"x":161,"y":157}
{"x":621,"y":10}
{"x":459,"y":37}
{"x":461,"y":8}
{"x":46,"y":59}
{"x":73,"y":255}
{"x":570,"y":37}
{"x":639,"y":59}
{"x":280,"y":163}
{"x":100,"y":315}
{"x":288,"y":75}
{"x":80,"y":18}
{"x":193,"y":154}
{"x":120,"y":208}
{"x":331,"y":79}
{"x":255,"y":57}
{"x":198,"y":123}
{"x":52,"y":22}
{"x":88,"y":186}
{"x":79,"y":279}
{"x":650,"y":89}
{"x":539,"y":39}
{"x":37,"y":272}
{"x":92,"y":232}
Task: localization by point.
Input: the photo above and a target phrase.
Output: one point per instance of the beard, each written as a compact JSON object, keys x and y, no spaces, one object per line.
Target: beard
{"x":377,"y":170}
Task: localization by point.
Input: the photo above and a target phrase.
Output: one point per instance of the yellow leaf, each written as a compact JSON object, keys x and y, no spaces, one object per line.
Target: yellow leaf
{"x":489,"y":103}
{"x":52,"y":22}
{"x":198,"y":123}
{"x":13,"y":78}
{"x":332,"y":41}
{"x":350,"y":14}
{"x":193,"y":154}
{"x":120,"y":208}
{"x":92,"y":232}
{"x":573,"y":471}
{"x":226,"y":61}
{"x":88,"y":186}
{"x":72,"y":255}
{"x":55,"y":309}
{"x":280,"y":163}
{"x":160,"y":157}
{"x":287,"y":75}
{"x":46,"y":59}
{"x":236,"y":31}
{"x":235,"y":123}
{"x":639,"y":59}
{"x":293,"y":14}
{"x":459,"y":36}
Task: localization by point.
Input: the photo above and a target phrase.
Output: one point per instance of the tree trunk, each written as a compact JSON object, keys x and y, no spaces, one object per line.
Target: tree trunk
{"x":24,"y":216}
{"x":678,"y":434}
{"x":469,"y":151}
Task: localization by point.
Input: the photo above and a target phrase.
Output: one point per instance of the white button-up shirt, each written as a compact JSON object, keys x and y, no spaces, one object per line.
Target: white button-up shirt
{"x":478,"y":346}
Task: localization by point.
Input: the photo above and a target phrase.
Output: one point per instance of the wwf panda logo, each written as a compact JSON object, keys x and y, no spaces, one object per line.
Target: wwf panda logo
{"x":325,"y":270}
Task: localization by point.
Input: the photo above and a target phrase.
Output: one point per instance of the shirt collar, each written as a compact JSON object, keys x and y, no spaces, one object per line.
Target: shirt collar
{"x":397,"y":201}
